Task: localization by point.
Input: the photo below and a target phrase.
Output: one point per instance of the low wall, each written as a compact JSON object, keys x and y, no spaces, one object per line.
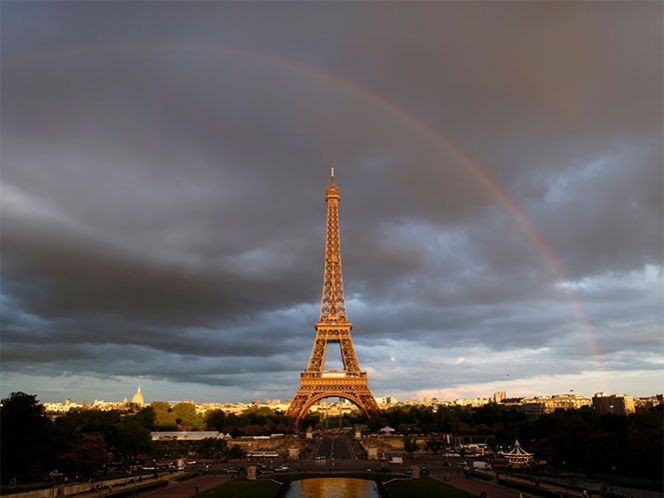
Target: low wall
{"x":281,"y":444}
{"x":383,"y":443}
{"x":595,"y":488}
{"x":70,"y":489}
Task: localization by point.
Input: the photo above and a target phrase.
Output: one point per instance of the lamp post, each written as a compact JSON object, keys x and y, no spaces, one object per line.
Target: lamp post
{"x":54,"y":474}
{"x":103,"y":478}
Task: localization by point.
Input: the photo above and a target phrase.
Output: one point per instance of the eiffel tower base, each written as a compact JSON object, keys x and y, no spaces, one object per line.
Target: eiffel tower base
{"x":315,"y":386}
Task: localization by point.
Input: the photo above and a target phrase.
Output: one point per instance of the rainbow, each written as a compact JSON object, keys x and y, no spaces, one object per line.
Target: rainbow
{"x":463,"y":158}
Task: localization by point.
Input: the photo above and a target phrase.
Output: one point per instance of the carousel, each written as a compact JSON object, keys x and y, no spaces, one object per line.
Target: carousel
{"x":518,"y":457}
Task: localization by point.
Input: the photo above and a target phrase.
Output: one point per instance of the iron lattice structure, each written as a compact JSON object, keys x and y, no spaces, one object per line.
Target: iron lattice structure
{"x":333,"y":326}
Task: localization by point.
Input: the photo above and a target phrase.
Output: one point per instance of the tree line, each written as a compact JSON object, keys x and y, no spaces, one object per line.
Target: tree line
{"x":83,"y":442}
{"x":573,"y":439}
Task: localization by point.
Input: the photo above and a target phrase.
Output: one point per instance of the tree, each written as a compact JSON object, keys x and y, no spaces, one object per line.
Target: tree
{"x":146,"y":417}
{"x":571,"y":441}
{"x":311,"y":420}
{"x":216,"y":419}
{"x":211,"y":448}
{"x":25,"y":437}
{"x":186,"y":416}
{"x":134,"y":441}
{"x":434,"y":444}
{"x":88,"y":455}
{"x":259,"y":415}
{"x":645,"y":448}
{"x":543,"y":450}
{"x":355,"y":417}
{"x":410,"y":445}
{"x":236,"y":451}
{"x":165,"y":418}
{"x":489,"y":414}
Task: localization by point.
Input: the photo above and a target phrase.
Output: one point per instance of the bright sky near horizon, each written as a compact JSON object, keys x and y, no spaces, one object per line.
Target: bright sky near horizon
{"x":164,"y":167}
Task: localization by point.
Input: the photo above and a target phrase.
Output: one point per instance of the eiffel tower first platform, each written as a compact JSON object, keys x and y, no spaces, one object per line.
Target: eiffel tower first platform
{"x":316,"y":383}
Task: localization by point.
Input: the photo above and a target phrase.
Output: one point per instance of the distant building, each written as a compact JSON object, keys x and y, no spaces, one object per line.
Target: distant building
{"x":622,"y":404}
{"x":618,"y":404}
{"x":602,"y":403}
{"x":648,"y":402}
{"x":56,"y":409}
{"x":138,"y":398}
{"x":474,"y":403}
{"x":536,"y":407}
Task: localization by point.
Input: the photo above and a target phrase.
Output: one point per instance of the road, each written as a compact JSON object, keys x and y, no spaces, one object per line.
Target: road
{"x":334,"y":448}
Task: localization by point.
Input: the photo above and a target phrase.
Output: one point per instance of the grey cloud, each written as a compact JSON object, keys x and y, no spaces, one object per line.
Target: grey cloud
{"x":164,"y":170}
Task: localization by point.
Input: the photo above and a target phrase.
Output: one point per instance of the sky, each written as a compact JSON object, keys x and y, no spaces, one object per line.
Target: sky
{"x":163,"y":177}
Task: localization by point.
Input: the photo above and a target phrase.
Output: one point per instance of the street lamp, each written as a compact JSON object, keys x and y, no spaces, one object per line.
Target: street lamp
{"x":54,"y":474}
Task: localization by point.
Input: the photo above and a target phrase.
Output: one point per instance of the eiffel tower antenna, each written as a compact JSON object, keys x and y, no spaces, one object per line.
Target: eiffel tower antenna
{"x":316,"y":383}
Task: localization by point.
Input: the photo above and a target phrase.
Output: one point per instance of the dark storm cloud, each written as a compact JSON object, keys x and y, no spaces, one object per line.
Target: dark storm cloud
{"x":164,"y":169}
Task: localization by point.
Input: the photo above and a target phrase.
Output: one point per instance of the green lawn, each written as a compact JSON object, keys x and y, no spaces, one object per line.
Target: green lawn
{"x":424,"y":487}
{"x":243,"y":488}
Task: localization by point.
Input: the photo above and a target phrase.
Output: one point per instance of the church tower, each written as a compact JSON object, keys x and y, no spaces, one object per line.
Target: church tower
{"x":333,"y":326}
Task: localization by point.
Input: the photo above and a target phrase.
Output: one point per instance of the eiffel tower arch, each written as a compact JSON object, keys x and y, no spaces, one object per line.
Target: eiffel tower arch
{"x":333,"y":326}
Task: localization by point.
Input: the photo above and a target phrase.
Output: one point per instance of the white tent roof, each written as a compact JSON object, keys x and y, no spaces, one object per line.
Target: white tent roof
{"x":518,"y":450}
{"x":517,"y":455}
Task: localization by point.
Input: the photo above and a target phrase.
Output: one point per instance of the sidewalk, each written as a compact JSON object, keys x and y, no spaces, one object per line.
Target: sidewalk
{"x":188,"y":488}
{"x":475,"y":487}
{"x":555,"y":488}
{"x":495,"y":490}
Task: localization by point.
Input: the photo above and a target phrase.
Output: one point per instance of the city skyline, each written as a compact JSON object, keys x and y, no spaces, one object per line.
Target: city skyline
{"x":383,"y":401}
{"x":164,"y":168}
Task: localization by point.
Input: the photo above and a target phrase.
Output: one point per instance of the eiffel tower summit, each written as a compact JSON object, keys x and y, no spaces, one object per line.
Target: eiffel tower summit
{"x":333,"y":326}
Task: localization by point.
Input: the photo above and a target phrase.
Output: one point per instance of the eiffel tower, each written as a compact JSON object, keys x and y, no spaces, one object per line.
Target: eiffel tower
{"x":332,"y":327}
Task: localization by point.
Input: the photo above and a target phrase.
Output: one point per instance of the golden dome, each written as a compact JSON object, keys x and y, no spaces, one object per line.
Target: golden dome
{"x":138,"y":398}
